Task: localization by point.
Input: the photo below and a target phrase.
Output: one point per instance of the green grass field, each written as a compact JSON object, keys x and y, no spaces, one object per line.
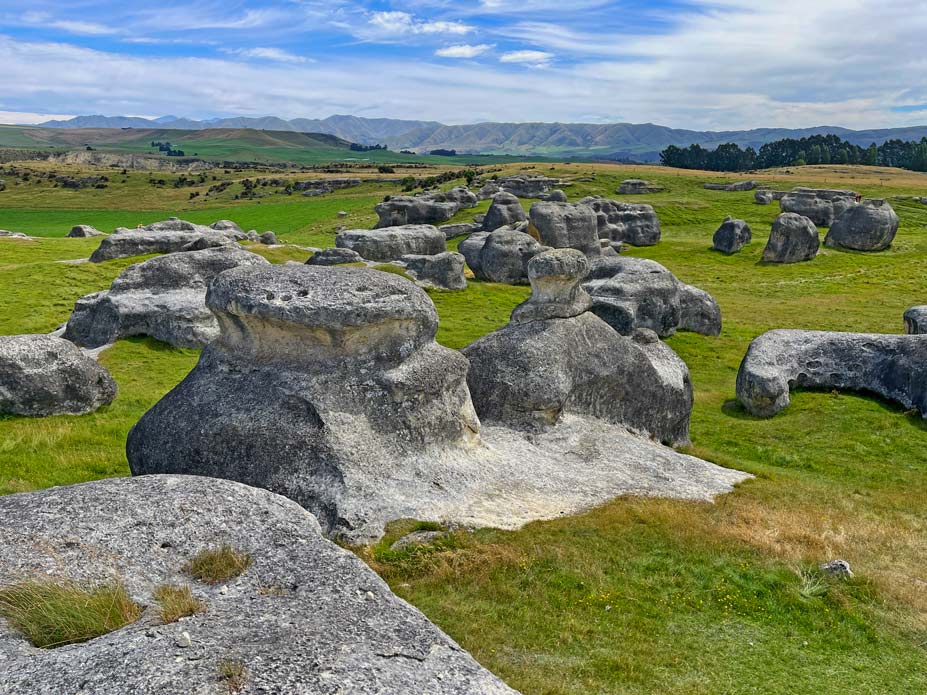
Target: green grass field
{"x":637,"y":596}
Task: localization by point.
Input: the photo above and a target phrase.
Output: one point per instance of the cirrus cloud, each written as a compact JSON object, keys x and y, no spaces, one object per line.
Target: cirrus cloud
{"x":463,"y":51}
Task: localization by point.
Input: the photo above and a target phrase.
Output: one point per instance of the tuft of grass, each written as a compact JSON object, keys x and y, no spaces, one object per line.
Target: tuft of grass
{"x":53,"y":614}
{"x":233,"y":673}
{"x":217,"y":565}
{"x":177,"y":602}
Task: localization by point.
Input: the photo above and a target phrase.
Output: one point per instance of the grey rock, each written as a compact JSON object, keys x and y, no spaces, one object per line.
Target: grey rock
{"x":731,"y":187}
{"x":6,"y":234}
{"x":444,"y":270}
{"x":81,"y":231}
{"x":637,"y":187}
{"x":305,"y":617}
{"x":170,"y":236}
{"x":417,"y":538}
{"x":633,"y":293}
{"x":891,"y":366}
{"x":268,"y":238}
{"x":915,"y":320}
{"x":163,"y":297}
{"x":793,"y":239}
{"x":317,"y":187}
{"x":556,"y":196}
{"x":503,"y":255}
{"x":870,"y":226}
{"x":391,"y":243}
{"x":470,"y":249}
{"x":505,"y":210}
{"x":566,"y":225}
{"x":837,"y":568}
{"x":732,"y":236}
{"x":43,"y":375}
{"x":461,"y":195}
{"x":821,"y":206}
{"x":521,"y":186}
{"x":408,"y":210}
{"x":226,"y":226}
{"x":556,"y":292}
{"x":452,"y":231}
{"x":765,"y":196}
{"x":342,"y":213}
{"x":334,"y":257}
{"x":633,"y":223}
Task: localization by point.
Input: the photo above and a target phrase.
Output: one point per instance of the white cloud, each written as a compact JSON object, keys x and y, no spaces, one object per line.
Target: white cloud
{"x":265,"y":53}
{"x":389,"y":25}
{"x":43,"y":19}
{"x":463,"y":51}
{"x":27,"y":118}
{"x":532,"y":58}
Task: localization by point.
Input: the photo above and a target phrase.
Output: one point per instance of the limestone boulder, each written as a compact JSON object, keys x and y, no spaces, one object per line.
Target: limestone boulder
{"x":731,"y":187}
{"x":44,"y":375}
{"x":163,"y":297}
{"x":268,"y":238}
{"x":334,"y":256}
{"x":732,"y":236}
{"x":505,"y":210}
{"x":566,"y":226}
{"x":793,"y":239}
{"x":870,"y":226}
{"x":632,"y":223}
{"x":461,"y":195}
{"x":413,"y":210}
{"x":915,"y":320}
{"x":637,"y":187}
{"x":556,"y":196}
{"x":821,"y":206}
{"x":521,"y":186}
{"x":391,"y":243}
{"x":470,"y":249}
{"x":82,"y":231}
{"x":305,"y":617}
{"x":452,"y":231}
{"x":169,"y":236}
{"x":444,"y":271}
{"x":502,"y":256}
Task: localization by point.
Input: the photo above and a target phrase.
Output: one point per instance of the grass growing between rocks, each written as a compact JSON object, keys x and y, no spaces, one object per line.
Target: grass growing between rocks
{"x":233,"y":674}
{"x":53,"y":614}
{"x":176,"y":602}
{"x":216,"y":565}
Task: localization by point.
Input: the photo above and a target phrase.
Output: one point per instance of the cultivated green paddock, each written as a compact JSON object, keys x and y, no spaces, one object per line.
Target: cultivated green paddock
{"x":638,"y":596}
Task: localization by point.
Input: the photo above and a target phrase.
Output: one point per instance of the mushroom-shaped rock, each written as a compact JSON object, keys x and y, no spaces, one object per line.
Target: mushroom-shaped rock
{"x":81,"y":231}
{"x":305,"y":616}
{"x":169,"y":236}
{"x":793,"y":239}
{"x":325,"y":385}
{"x":631,"y":293}
{"x":408,"y":210}
{"x":731,"y":236}
{"x":915,"y":320}
{"x":391,"y":243}
{"x":822,"y":206}
{"x":504,"y":256}
{"x":334,"y":257}
{"x":444,"y":270}
{"x":163,"y":297}
{"x":43,"y":375}
{"x":541,"y":366}
{"x":567,"y":226}
{"x":868,"y":227}
{"x":633,"y":223}
{"x":504,"y":210}
{"x":891,"y":366}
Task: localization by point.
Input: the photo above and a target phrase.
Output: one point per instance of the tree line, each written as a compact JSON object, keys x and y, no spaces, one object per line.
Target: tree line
{"x":816,"y":149}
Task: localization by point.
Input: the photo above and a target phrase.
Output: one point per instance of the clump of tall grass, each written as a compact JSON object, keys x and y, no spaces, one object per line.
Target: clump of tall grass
{"x":217,"y":565}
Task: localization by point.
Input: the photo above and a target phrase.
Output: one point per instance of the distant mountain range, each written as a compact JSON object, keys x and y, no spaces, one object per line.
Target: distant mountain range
{"x":628,"y":141}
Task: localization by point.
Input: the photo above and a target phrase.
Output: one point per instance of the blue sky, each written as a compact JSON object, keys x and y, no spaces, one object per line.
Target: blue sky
{"x":700,"y":64}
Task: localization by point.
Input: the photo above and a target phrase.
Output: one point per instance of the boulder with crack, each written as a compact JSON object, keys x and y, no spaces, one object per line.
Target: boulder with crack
{"x":391,"y":243}
{"x":633,"y":223}
{"x":820,"y":205}
{"x":566,"y":226}
{"x":891,"y":366}
{"x":163,"y":297}
{"x":870,"y":226}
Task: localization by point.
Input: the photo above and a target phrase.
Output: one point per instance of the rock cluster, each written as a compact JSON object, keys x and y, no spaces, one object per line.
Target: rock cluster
{"x":305,"y":617}
{"x":452,"y":231}
{"x":521,"y":186}
{"x":731,"y":187}
{"x":821,"y":206}
{"x":731,"y":236}
{"x":765,"y":196}
{"x":405,"y":210}
{"x":915,"y":320}
{"x":793,"y":239}
{"x":870,"y":226}
{"x":81,"y":231}
{"x":637,"y":187}
{"x":391,"y":243}
{"x":43,"y":375}
{"x":632,"y":223}
{"x":316,"y":187}
{"x":169,"y":236}
{"x":163,"y":297}
{"x":891,"y":366}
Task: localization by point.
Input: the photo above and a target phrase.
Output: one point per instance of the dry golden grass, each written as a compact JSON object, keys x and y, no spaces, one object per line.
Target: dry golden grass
{"x":233,"y":674}
{"x":177,"y":602}
{"x":217,"y":565}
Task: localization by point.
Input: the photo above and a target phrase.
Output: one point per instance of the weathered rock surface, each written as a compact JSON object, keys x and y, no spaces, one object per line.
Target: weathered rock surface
{"x":6,"y":234}
{"x":316,"y":187}
{"x":505,"y":210}
{"x":556,"y":196}
{"x":821,"y":206}
{"x":870,"y":226}
{"x":413,"y":210}
{"x":633,"y":223}
{"x":567,"y":226}
{"x":632,"y":293}
{"x":732,"y":236}
{"x":521,"y":186}
{"x":461,"y":195}
{"x":226,"y":226}
{"x":731,"y":187}
{"x":471,"y":247}
{"x":43,"y":375}
{"x":502,"y":255}
{"x":163,"y":297}
{"x":765,"y":196}
{"x":170,"y":236}
{"x":391,"y":243}
{"x":528,"y":374}
{"x":444,"y":270}
{"x":915,"y":320}
{"x":793,"y":239}
{"x":334,"y":257}
{"x":452,"y":231}
{"x":305,"y":617}
{"x":81,"y":231}
{"x":637,"y":187}
{"x":891,"y":366}
{"x":268,"y":238}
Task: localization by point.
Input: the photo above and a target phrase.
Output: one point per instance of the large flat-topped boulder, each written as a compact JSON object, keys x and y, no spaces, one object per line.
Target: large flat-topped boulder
{"x":530,"y":373}
{"x":305,"y":617}
{"x":822,"y":206}
{"x":504,"y":210}
{"x":334,"y":256}
{"x":566,"y":226}
{"x":891,"y":366}
{"x":43,"y":375}
{"x":391,"y":243}
{"x":163,"y":297}
{"x":793,"y":239}
{"x":521,"y":186}
{"x":452,"y":231}
{"x":170,"y":236}
{"x":870,"y":226}
{"x":731,"y":187}
{"x":631,"y":293}
{"x":633,"y":223}
{"x":414,"y":210}
{"x":915,"y":320}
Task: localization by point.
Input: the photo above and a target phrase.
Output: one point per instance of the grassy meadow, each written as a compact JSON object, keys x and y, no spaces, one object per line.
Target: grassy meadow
{"x":637,"y":596}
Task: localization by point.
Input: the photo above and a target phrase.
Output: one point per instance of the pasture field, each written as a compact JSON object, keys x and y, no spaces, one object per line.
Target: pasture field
{"x":638,"y":595}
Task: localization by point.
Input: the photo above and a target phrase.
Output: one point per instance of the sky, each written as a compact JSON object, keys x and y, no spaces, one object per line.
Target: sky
{"x":697,"y":64}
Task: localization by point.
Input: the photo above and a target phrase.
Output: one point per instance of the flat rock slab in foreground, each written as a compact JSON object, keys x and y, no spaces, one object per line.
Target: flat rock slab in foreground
{"x":891,"y":366}
{"x":306,"y":617}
